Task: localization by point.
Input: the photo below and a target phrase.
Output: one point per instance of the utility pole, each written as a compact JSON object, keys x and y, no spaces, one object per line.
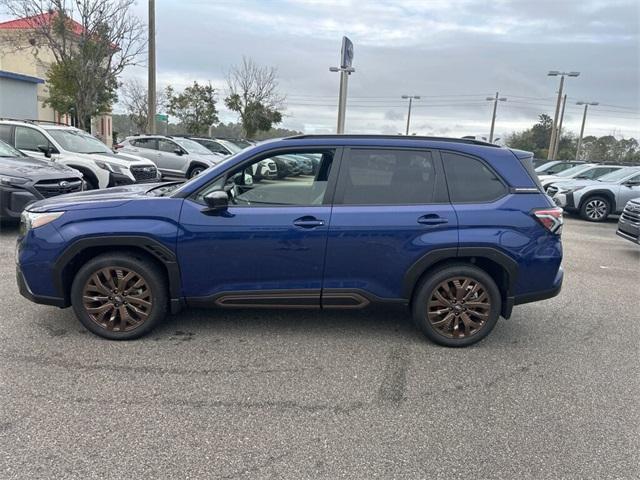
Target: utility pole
{"x":151,"y":87}
{"x":410,"y":97}
{"x":345,"y":69}
{"x":495,"y":101}
{"x":584,"y":119}
{"x":554,"y":128}
{"x":559,"y":134}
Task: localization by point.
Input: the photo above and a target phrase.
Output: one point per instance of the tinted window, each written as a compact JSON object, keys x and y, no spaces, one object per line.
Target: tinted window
{"x":30,"y":139}
{"x":5,"y":133}
{"x":470,"y":180}
{"x":213,"y":146}
{"x":560,"y":167}
{"x":145,"y":143}
{"x":596,"y":172}
{"x":387,"y":177}
{"x":291,"y":178}
{"x":167,"y":146}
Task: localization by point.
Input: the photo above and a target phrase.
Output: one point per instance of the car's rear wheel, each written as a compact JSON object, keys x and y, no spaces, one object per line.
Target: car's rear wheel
{"x":119,"y":296}
{"x":595,"y":209}
{"x":457,"y":306}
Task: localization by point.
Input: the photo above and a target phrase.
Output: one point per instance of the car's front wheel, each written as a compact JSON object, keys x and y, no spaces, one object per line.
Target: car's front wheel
{"x":595,"y":209}
{"x":195,"y":171}
{"x":119,"y":296}
{"x":457,"y":306}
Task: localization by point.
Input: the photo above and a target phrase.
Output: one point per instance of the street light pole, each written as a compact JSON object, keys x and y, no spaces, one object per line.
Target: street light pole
{"x":151,"y":87}
{"x":411,"y":98}
{"x":554,"y":128}
{"x":495,"y":101}
{"x":345,"y":69}
{"x":556,"y":146}
{"x":584,"y":119}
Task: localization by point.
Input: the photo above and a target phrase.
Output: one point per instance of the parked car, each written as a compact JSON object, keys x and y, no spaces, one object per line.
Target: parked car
{"x":177,"y":157}
{"x":595,"y":200}
{"x":263,"y":170}
{"x":556,"y":166}
{"x":629,"y":222}
{"x":459,"y":231}
{"x":587,"y":171}
{"x":286,"y":166}
{"x":24,"y":180}
{"x":75,"y":148}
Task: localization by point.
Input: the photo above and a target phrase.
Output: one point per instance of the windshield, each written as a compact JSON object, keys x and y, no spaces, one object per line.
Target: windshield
{"x":569,"y":172}
{"x":9,"y":151}
{"x":192,"y":146}
{"x":544,"y":166}
{"x":231,"y":146}
{"x":617,"y":175}
{"x":78,"y":141}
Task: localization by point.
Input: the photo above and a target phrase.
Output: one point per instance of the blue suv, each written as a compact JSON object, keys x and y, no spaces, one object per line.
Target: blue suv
{"x":458,"y":230}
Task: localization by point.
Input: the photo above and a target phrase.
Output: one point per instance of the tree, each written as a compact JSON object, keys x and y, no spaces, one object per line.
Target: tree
{"x":133,"y":97}
{"x":195,"y":107}
{"x":536,"y":139}
{"x":91,"y":42}
{"x":254,"y":96}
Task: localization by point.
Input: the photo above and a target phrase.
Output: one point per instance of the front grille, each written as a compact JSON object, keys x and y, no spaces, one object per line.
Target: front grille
{"x":52,"y":188}
{"x":632,"y":216}
{"x":552,"y":190}
{"x":144,"y":174}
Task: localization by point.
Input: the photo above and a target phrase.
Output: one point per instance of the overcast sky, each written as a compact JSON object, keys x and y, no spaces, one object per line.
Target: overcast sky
{"x":452,"y":53}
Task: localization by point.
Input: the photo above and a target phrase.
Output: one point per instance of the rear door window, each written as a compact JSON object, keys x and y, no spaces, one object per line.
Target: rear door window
{"x":149,"y":143}
{"x":387,"y":177}
{"x":470,"y":180}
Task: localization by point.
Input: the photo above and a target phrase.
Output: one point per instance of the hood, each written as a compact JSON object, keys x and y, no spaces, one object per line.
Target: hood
{"x":580,"y":183}
{"x":109,"y":197}
{"x":124,"y":159}
{"x":213,"y":159}
{"x":35,"y":168}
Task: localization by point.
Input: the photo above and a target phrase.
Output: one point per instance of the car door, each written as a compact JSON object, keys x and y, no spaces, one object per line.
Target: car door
{"x":390,"y":210}
{"x":171,"y":161}
{"x":144,"y":147}
{"x":267,"y":248}
{"x":628,"y":190}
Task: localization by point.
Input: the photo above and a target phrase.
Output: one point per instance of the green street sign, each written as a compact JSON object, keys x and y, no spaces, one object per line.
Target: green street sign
{"x":161,"y":117}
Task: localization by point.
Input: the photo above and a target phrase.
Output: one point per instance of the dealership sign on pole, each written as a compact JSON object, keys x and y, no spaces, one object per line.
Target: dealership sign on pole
{"x":345,"y":69}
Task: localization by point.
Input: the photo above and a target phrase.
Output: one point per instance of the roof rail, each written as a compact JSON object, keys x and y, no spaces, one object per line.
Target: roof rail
{"x":35,"y":121}
{"x":398,"y":137}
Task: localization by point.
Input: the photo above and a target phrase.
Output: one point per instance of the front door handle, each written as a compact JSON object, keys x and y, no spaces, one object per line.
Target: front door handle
{"x":432,"y":219}
{"x":308,"y":222}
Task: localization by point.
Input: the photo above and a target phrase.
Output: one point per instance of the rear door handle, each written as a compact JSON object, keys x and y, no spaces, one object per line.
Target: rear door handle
{"x":308,"y":222}
{"x":432,"y":219}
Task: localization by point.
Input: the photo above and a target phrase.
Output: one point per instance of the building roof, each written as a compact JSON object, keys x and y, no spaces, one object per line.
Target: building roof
{"x":20,"y":77}
{"x":38,"y":21}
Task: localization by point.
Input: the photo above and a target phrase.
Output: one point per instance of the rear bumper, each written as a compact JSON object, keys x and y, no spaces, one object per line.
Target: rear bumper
{"x":507,"y":308}
{"x":26,"y":292}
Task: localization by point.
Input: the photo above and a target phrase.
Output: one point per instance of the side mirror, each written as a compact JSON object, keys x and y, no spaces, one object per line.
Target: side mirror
{"x":46,"y":149}
{"x":632,"y":183}
{"x":178,"y":151}
{"x":217,"y":200}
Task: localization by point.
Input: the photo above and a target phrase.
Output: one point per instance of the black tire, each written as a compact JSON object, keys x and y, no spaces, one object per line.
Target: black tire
{"x":426,"y":314}
{"x":195,"y":171}
{"x":595,"y":209}
{"x":142,"y":318}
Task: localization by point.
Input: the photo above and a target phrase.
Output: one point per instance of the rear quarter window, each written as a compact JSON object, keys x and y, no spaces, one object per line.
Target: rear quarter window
{"x":470,"y":180}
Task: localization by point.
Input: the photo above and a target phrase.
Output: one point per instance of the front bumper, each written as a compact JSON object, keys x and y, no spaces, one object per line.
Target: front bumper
{"x":26,"y":292}
{"x":14,"y":200}
{"x":565,"y":200}
{"x":119,"y":179}
{"x":629,"y":230}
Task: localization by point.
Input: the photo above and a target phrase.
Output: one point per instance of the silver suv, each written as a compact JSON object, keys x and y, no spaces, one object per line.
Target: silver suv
{"x":595,"y":200}
{"x":174,"y":156}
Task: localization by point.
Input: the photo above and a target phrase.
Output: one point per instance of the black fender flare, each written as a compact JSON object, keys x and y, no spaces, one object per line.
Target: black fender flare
{"x":193,"y":165}
{"x":415,"y":271}
{"x":151,"y":246}
{"x":609,"y":195}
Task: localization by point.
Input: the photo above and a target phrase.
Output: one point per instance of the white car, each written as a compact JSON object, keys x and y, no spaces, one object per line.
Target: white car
{"x":100,"y":166}
{"x":177,"y":157}
{"x":587,"y":171}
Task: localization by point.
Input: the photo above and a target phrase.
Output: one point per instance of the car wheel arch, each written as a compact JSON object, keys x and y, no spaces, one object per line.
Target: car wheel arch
{"x":70,"y":261}
{"x":195,"y":165}
{"x":608,"y":195}
{"x":87,"y":174}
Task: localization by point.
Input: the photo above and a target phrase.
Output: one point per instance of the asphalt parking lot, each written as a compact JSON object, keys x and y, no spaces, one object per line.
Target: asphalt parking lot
{"x":552,"y":393}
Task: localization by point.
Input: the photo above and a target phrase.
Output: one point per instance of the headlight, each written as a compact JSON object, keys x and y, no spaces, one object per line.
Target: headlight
{"x":12,"y":180}
{"x":109,"y":166}
{"x":30,"y":220}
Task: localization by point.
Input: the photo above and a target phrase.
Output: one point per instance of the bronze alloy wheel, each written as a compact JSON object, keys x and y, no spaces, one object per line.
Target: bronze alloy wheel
{"x":117,"y":299}
{"x":459,"y":307}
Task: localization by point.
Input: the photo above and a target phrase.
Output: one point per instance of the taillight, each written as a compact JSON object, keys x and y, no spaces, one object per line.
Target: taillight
{"x":550,"y":218}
